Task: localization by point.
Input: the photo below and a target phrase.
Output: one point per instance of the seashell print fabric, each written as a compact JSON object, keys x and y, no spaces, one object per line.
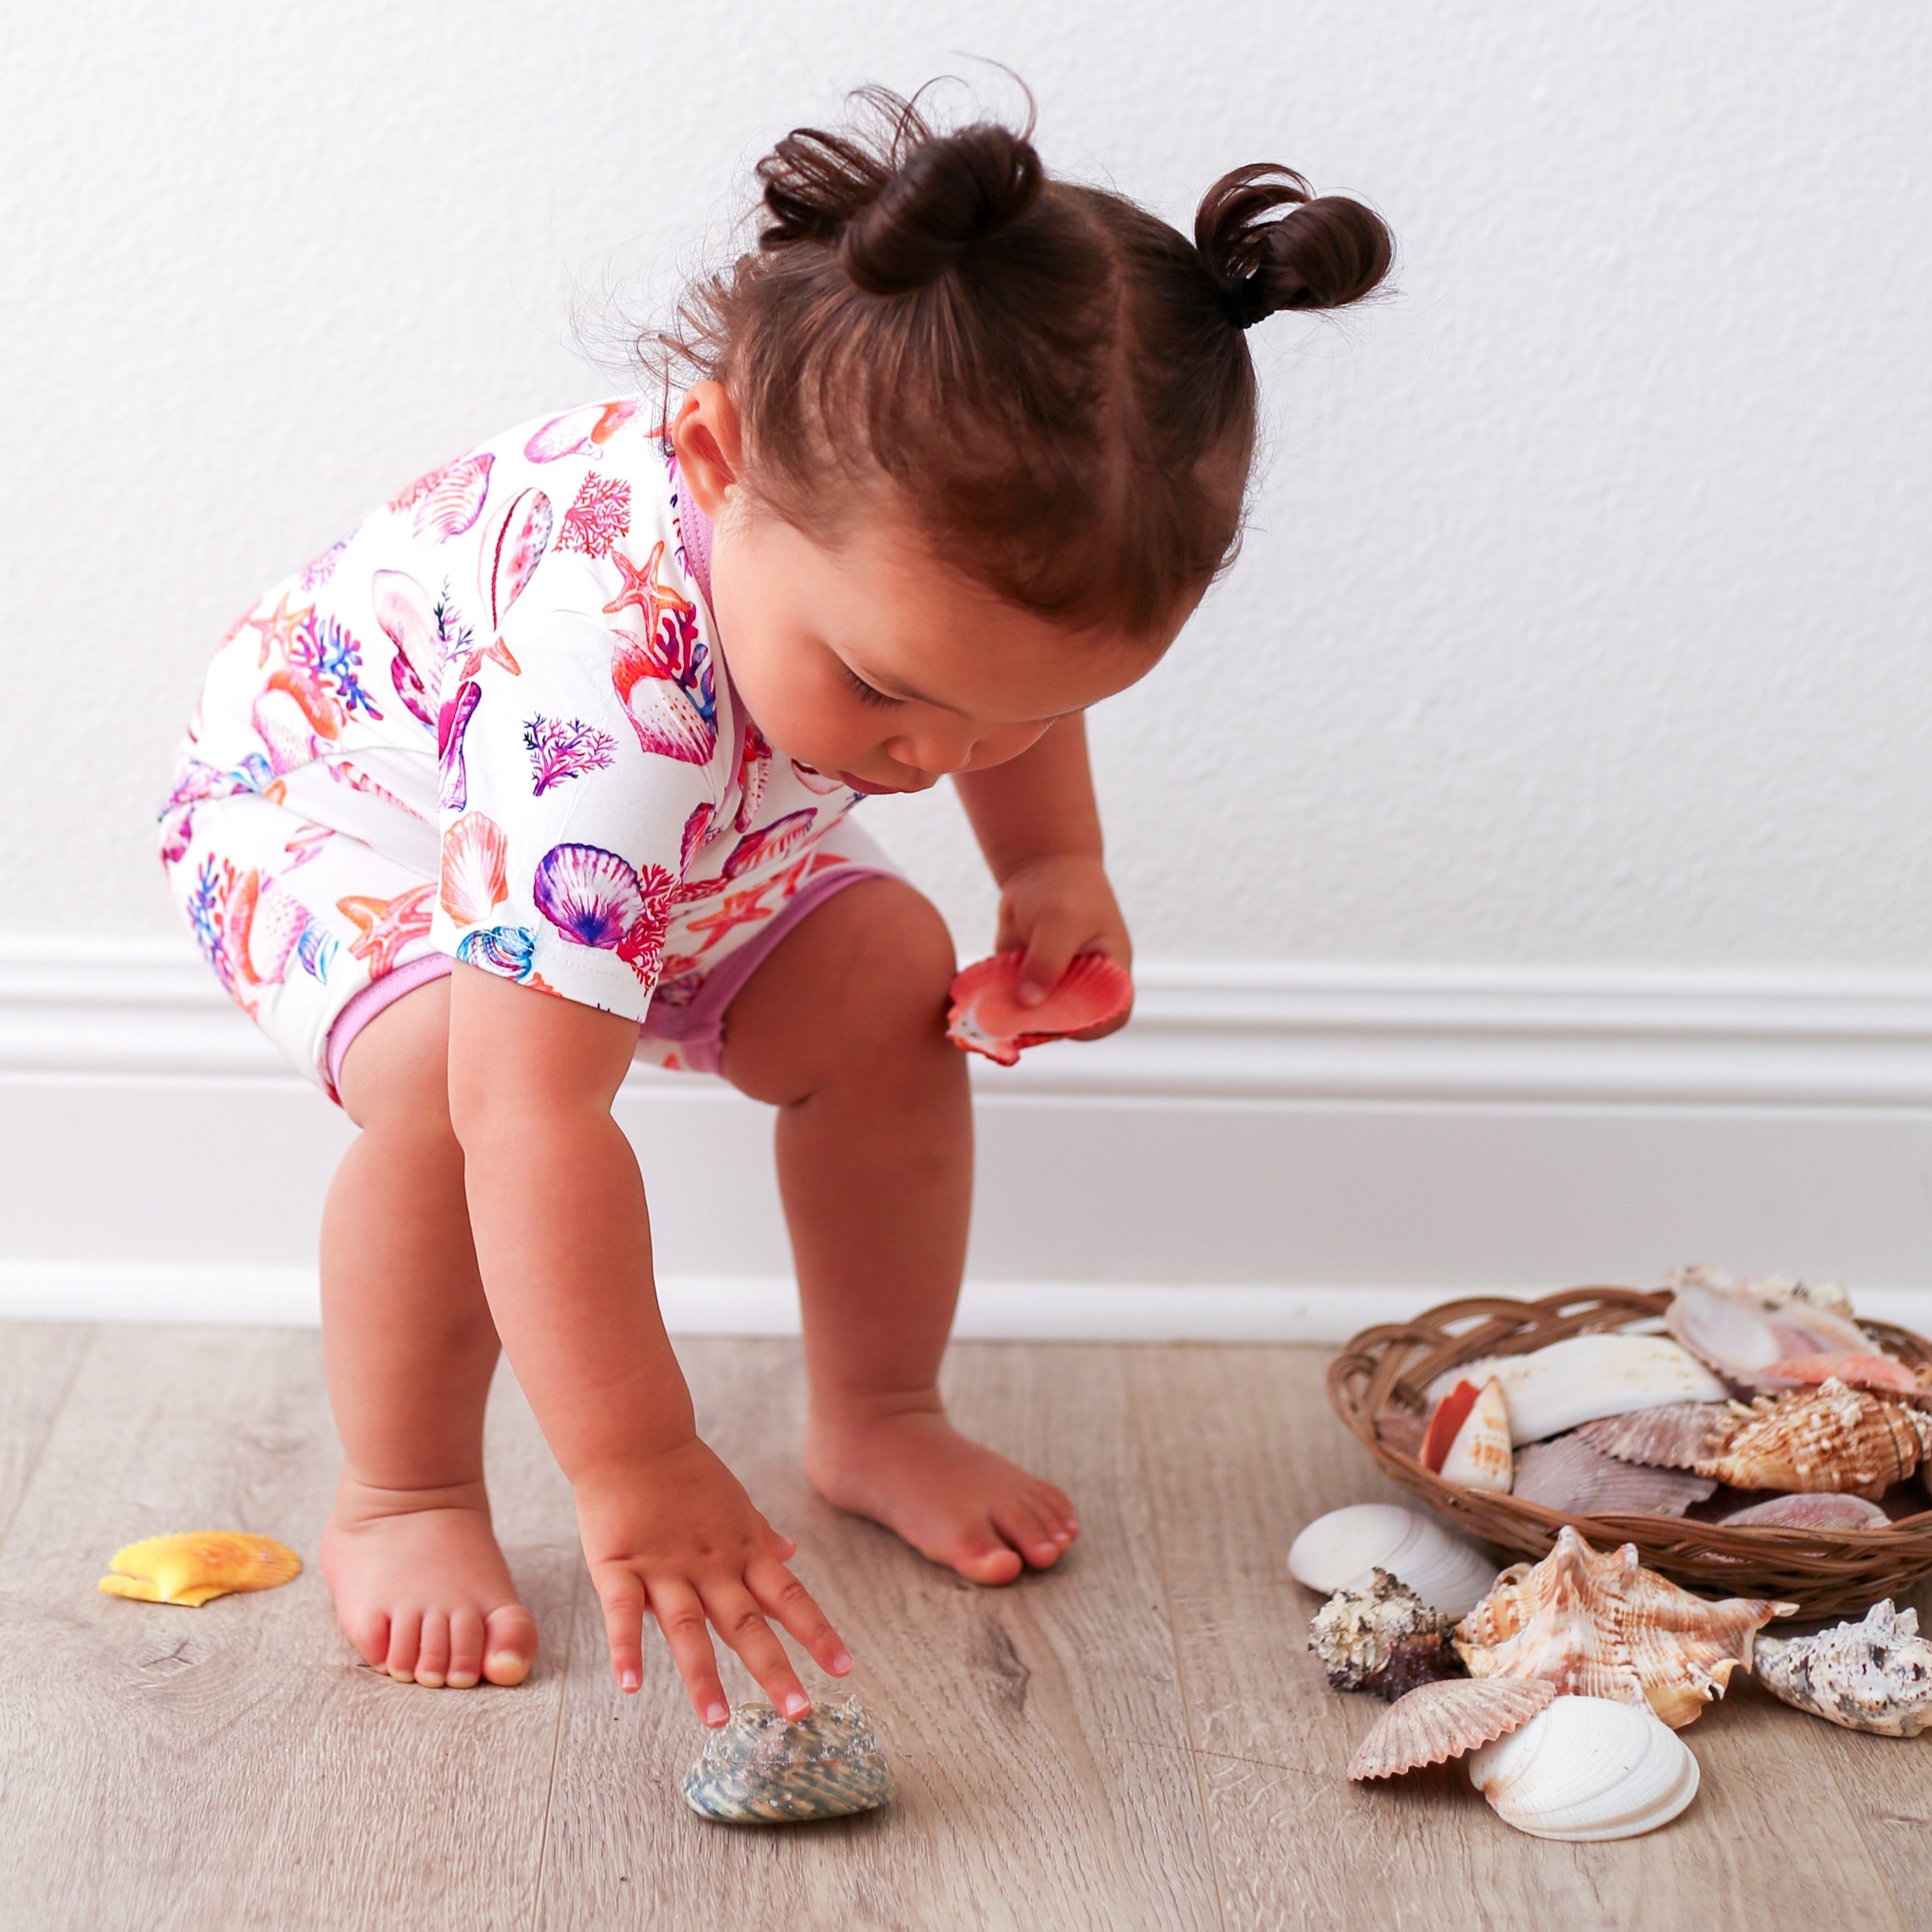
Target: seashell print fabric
{"x":491,"y":723}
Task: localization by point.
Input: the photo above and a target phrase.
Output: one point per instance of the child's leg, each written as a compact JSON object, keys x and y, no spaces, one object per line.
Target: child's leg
{"x":420,"y":1585}
{"x":842,"y":1028}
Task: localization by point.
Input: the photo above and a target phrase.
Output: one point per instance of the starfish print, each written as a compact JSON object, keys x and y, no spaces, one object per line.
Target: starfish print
{"x":738,"y":909}
{"x":384,"y":925}
{"x":498,"y":652}
{"x":278,"y":630}
{"x":642,"y":588}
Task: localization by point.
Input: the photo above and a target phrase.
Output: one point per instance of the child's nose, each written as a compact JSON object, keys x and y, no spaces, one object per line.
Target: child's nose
{"x":937,"y":747}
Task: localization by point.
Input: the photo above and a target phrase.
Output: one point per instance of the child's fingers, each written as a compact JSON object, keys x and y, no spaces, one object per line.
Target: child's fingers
{"x":1050,"y":947}
{"x":623,"y":1597}
{"x":781,"y":1595}
{"x":680,"y":1616}
{"x":777,"y":1544}
{"x":735,"y":1614}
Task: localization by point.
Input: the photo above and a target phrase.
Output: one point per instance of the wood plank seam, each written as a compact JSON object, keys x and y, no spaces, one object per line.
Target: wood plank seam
{"x":1854,"y":1802}
{"x":555,"y":1743}
{"x":46,"y":1436}
{"x":1134,"y":1399}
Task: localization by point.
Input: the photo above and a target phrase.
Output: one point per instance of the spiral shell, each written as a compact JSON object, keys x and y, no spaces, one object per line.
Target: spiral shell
{"x":1831,"y":1438}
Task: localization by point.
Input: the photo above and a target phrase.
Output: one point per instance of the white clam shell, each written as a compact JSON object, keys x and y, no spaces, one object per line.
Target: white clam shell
{"x":1338,"y":1551}
{"x":1587,"y":1376}
{"x":1586,"y":1769}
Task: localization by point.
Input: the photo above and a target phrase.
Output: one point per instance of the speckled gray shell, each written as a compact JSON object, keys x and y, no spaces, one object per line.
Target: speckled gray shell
{"x":760,"y":1769}
{"x":1874,"y":1675}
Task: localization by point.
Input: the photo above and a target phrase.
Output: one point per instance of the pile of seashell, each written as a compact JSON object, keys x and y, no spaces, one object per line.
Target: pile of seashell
{"x":1564,"y":1683}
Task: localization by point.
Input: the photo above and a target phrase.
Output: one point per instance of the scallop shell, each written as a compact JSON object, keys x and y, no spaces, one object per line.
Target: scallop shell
{"x":1874,"y":1675}
{"x":513,"y":546}
{"x":1553,"y":1389}
{"x":1438,"y":1721}
{"x":472,"y":884}
{"x":1584,"y":1769}
{"x":1670,"y":1438}
{"x":455,"y":500}
{"x":1383,"y":1639}
{"x":1342,"y":1549}
{"x":668,"y":724}
{"x":1479,"y":1455}
{"x":987,"y":1016}
{"x":1821,"y":1509}
{"x":762,"y":1768}
{"x":264,"y":923}
{"x":1397,"y":1428}
{"x":1828,"y":1438}
{"x":1568,"y":1474}
{"x":1605,"y":1626}
{"x":590,"y":896}
{"x":194,"y":1566}
{"x":1746,"y":1341}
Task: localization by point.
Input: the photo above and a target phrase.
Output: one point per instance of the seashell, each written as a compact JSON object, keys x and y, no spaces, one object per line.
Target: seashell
{"x":577,"y":430}
{"x":452,"y":722}
{"x":1553,"y":1389}
{"x":1342,"y":1550}
{"x":1383,"y":1638}
{"x":1670,"y":1438}
{"x":1397,"y":1428}
{"x":513,"y":546}
{"x":1566,"y":1473}
{"x":264,"y":924}
{"x":473,"y":884}
{"x":590,"y":896}
{"x":1478,"y":1456}
{"x":768,"y":844}
{"x":762,"y":1768}
{"x":1583,"y":1769}
{"x":1872,"y":1675}
{"x":455,"y":500}
{"x":1773,"y":1291}
{"x":667,"y":720}
{"x":1821,"y":1510}
{"x":194,"y":1566}
{"x":1744,"y":1340}
{"x":1605,"y":1626}
{"x":1882,"y":1374}
{"x":403,"y":609}
{"x":1438,"y":1721}
{"x":1826,"y":1439}
{"x":987,"y":1017}
{"x":508,"y":951}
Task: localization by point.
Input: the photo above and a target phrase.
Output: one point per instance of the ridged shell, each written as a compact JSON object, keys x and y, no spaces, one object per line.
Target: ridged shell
{"x":590,"y":896}
{"x":266,"y":922}
{"x":761,"y":1768}
{"x":455,"y":500}
{"x":194,"y":1566}
{"x":1874,"y":1675}
{"x":508,"y":951}
{"x":987,"y":1017}
{"x":1359,"y":1634}
{"x":1671,"y":1438}
{"x":1567,"y":1473}
{"x":1823,"y":1510}
{"x":472,"y":884}
{"x":1828,"y":1438}
{"x":1342,"y":1549}
{"x":1479,"y":1456}
{"x":1439,"y":1721}
{"x":766,"y":845}
{"x":577,"y":430}
{"x":513,"y":546}
{"x":668,"y":724}
{"x":1744,"y":1339}
{"x":1553,"y":1389}
{"x":1584,"y":1769}
{"x":1605,"y":1626}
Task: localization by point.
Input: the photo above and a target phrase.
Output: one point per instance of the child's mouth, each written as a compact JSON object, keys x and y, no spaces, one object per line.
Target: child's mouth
{"x":867,"y":786}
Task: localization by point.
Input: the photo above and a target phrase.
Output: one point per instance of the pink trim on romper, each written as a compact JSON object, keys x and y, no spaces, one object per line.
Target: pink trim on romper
{"x":371,"y":1001}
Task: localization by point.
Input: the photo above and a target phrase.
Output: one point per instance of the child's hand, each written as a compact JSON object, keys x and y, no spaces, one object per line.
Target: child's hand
{"x":677,"y":1534}
{"x":1058,"y":907}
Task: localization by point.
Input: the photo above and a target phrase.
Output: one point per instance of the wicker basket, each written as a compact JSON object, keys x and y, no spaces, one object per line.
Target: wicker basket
{"x":1827,"y":1573}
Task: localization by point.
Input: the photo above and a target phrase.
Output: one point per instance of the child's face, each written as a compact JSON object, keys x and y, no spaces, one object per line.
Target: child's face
{"x":878,"y":665}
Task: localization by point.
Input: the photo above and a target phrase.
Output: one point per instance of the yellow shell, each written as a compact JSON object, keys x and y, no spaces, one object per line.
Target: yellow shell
{"x":193,"y":1566}
{"x":1605,"y":1626}
{"x":1831,"y":1439}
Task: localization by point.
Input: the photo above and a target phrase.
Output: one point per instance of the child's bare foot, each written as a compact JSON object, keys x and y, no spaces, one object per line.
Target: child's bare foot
{"x":953,"y":1499}
{"x":422,"y":1588}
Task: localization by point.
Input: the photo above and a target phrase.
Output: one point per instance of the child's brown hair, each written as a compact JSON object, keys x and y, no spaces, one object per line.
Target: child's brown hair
{"x":1052,"y":382}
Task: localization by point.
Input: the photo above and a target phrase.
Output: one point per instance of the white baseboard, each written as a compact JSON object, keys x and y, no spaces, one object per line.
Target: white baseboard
{"x":1286,"y":1153}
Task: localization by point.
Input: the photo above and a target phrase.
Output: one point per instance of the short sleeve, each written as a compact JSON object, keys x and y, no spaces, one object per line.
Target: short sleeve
{"x":580,"y":762}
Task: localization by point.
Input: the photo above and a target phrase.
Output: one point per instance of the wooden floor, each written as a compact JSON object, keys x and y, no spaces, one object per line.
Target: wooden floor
{"x":1138,"y":1738}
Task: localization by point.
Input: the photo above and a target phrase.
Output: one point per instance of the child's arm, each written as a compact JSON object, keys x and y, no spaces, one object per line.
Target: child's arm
{"x":1039,"y":825}
{"x":562,"y":1236}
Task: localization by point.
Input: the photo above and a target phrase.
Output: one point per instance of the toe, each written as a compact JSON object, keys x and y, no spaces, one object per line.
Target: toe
{"x":405,"y":1639}
{"x":1029,"y":1533}
{"x":983,"y":1557}
{"x":432,"y":1668}
{"x":509,"y":1645}
{"x":370,"y":1636}
{"x":466,"y":1647}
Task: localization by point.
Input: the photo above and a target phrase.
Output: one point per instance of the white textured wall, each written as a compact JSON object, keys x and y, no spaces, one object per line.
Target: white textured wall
{"x":1584,"y":615}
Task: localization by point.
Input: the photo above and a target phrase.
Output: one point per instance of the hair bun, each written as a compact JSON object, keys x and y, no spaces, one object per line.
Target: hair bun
{"x":1325,"y":252}
{"x":900,"y":214}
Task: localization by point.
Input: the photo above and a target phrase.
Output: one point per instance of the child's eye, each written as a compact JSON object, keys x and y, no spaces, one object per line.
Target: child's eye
{"x":866,"y":693}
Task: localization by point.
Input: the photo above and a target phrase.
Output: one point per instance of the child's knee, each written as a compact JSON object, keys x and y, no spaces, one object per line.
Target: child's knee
{"x":904,"y":970}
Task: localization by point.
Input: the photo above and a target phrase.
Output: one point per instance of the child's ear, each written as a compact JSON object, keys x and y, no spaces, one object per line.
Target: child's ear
{"x":706,"y":434}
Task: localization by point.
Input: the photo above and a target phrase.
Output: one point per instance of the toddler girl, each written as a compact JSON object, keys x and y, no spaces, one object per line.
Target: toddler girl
{"x":551,"y":764}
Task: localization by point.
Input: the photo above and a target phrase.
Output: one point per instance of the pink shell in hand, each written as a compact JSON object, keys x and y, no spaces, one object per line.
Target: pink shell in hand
{"x":987,"y":1016}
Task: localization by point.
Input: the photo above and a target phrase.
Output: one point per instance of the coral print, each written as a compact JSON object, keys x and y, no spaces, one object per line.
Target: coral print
{"x":664,"y":679}
{"x":323,"y":649}
{"x":319,"y":570}
{"x":598,"y":516}
{"x":560,"y":749}
{"x":596,"y":898}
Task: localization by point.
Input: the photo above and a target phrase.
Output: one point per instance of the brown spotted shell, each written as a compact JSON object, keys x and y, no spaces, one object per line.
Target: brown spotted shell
{"x":1440,"y":1721}
{"x":1829,"y":1438}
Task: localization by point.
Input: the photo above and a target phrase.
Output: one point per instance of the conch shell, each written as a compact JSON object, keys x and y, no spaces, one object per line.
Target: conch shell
{"x":1440,"y":1721}
{"x":1584,"y":1770}
{"x":1876,"y":1676}
{"x":1605,"y":1626}
{"x":1831,"y":1438}
{"x":1383,"y":1639}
